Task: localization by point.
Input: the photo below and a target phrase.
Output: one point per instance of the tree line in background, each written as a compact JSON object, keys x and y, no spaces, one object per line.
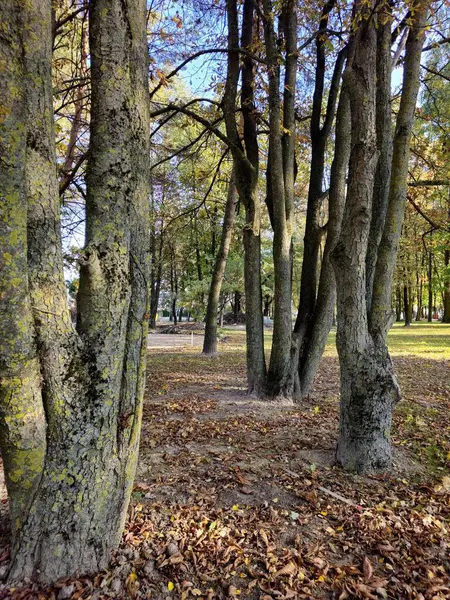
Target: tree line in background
{"x":302,"y":180}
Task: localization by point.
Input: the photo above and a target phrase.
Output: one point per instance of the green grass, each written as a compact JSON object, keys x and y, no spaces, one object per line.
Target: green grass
{"x":426,"y":340}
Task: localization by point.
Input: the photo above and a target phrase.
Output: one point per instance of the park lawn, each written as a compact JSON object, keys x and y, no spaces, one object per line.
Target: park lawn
{"x":237,"y":498}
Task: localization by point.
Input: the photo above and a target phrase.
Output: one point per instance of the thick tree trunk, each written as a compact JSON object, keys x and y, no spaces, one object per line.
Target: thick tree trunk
{"x":369,"y":390}
{"x":210,"y":340}
{"x":22,"y":418}
{"x":365,"y":407}
{"x":92,"y":383}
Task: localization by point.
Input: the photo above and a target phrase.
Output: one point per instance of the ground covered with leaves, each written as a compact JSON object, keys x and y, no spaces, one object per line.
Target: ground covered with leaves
{"x":236,"y":498}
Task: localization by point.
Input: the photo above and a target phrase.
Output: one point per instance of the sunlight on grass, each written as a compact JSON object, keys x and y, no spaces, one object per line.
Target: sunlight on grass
{"x":426,"y":340}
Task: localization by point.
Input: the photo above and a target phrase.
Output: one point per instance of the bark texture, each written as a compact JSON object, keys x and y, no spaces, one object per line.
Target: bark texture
{"x":210,"y":340}
{"x":246,"y":165}
{"x":369,"y":390}
{"x":281,"y":178}
{"x":322,"y":318}
{"x":88,"y":395}
{"x":317,"y":293}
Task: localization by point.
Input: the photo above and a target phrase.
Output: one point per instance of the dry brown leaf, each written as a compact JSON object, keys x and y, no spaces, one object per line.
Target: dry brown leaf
{"x":289,"y":569}
{"x":367,"y":569}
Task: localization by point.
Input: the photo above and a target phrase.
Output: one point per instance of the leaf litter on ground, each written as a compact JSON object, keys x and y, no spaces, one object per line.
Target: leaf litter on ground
{"x":237,"y":498}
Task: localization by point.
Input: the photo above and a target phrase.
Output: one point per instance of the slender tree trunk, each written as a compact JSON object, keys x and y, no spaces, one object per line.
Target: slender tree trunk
{"x":210,"y":340}
{"x":156,"y":252}
{"x":398,"y":304}
{"x":446,"y":316}
{"x":90,"y":401}
{"x":79,"y":107}
{"x":198,"y":260}
{"x":384,"y":145}
{"x":406,"y":304}
{"x":326,"y":295}
{"x":430,"y":287}
{"x":236,"y":306}
{"x":280,"y":380}
{"x":313,"y":319}
{"x":313,"y":233}
{"x":173,"y":285}
{"x":246,"y":165}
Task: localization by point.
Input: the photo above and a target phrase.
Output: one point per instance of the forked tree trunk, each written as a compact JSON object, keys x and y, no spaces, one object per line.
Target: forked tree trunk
{"x":369,"y":390}
{"x":317,"y":292}
{"x":85,"y":388}
{"x":326,"y":295}
{"x":210,"y":340}
{"x":363,"y":419}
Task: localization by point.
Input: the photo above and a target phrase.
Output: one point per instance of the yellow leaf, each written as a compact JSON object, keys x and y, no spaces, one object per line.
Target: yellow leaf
{"x":170,"y":586}
{"x":235,"y":507}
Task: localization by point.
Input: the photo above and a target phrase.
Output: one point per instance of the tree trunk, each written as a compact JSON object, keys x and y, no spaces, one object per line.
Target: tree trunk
{"x":430,"y":287}
{"x":79,"y":107}
{"x":384,"y":145}
{"x":236,"y":306}
{"x":314,"y":315}
{"x":369,"y":390}
{"x":326,"y":296}
{"x":446,"y":315}
{"x":407,"y":305}
{"x":210,"y":340}
{"x":246,"y":166}
{"x":398,"y":304}
{"x":280,"y":380}
{"x":365,"y":404}
{"x":156,"y":252}
{"x":90,"y":400}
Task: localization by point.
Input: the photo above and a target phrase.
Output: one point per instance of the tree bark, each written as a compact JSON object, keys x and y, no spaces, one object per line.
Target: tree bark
{"x":210,"y":340}
{"x":369,"y":390}
{"x":380,"y":316}
{"x":326,"y":296}
{"x":280,"y":380}
{"x":22,"y":418}
{"x":430,"y":286}
{"x":246,"y":165}
{"x":362,"y":444}
{"x":312,"y":312}
{"x":407,"y":305}
{"x":384,"y":144}
{"x":89,"y":403}
{"x":446,"y":315}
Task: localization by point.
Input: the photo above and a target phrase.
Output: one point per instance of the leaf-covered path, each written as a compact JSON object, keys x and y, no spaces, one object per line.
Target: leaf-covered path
{"x":236,"y":498}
